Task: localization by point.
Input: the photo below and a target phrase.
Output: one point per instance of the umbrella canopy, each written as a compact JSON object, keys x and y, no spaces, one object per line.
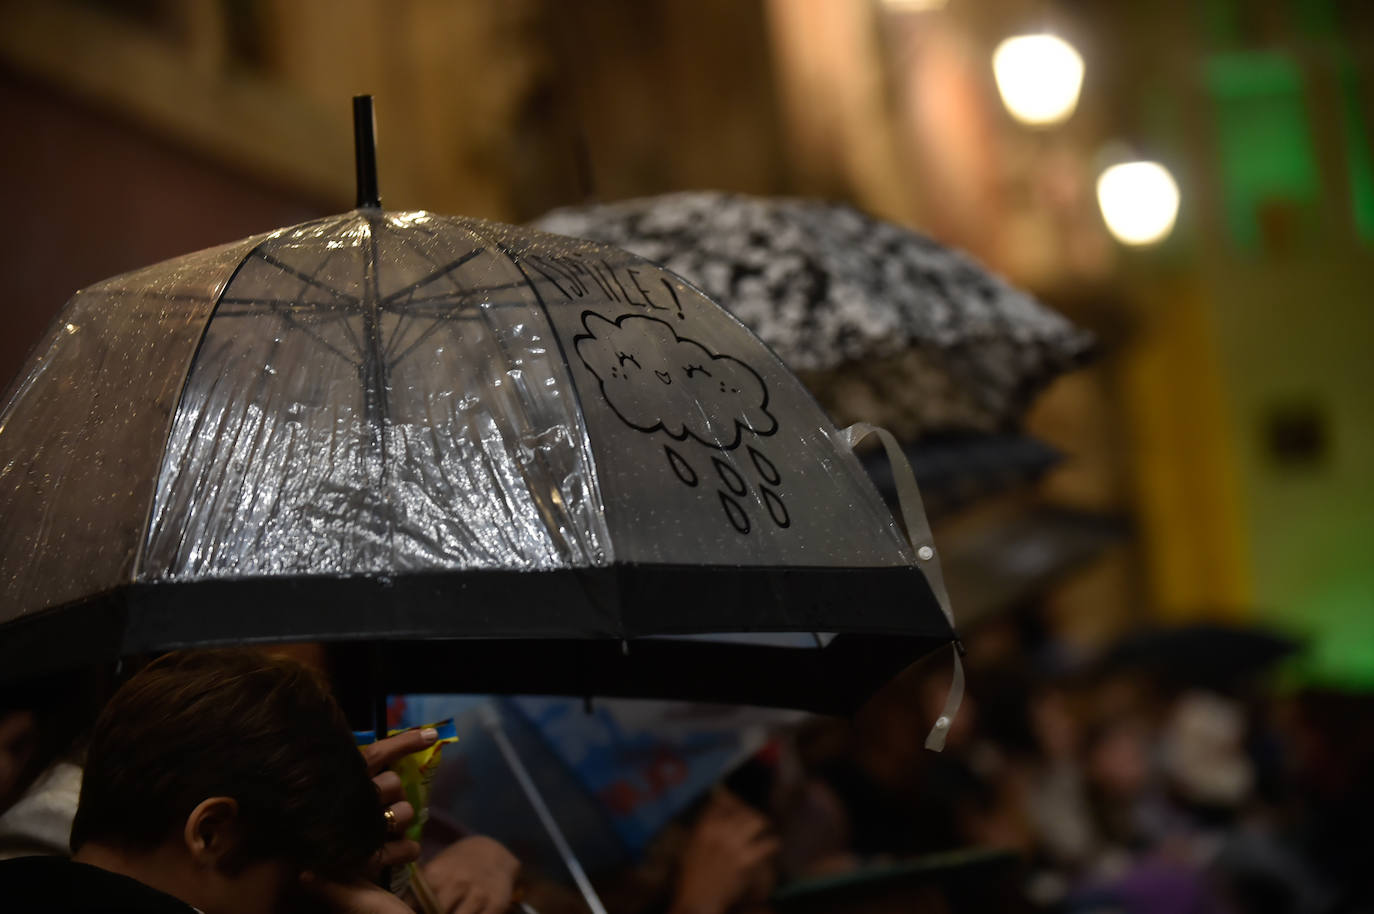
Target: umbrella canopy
{"x":1014,"y":554}
{"x":536,"y":458}
{"x":883,"y":323}
{"x":1202,"y":654}
{"x":957,"y":470}
{"x":613,"y":774}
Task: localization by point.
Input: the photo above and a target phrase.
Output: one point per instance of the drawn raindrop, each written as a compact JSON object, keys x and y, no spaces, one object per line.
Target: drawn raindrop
{"x":776,"y":509}
{"x":681,"y":467}
{"x":727,"y":475}
{"x":765,"y":467}
{"x":738,"y":519}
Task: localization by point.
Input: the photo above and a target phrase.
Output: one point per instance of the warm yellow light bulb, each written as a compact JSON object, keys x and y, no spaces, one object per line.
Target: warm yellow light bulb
{"x":1139,"y":202}
{"x":1039,"y":77}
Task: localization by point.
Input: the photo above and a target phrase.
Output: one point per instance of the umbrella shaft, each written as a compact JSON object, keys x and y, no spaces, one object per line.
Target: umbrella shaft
{"x":374,"y":367}
{"x":492,"y":722}
{"x":365,"y":151}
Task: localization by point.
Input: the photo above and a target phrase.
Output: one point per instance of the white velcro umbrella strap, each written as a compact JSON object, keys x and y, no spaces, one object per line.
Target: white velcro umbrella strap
{"x":935,"y":739}
{"x":927,"y":559}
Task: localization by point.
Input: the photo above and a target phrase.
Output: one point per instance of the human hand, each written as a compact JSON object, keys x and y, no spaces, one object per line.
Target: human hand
{"x":473,"y":876}
{"x":727,"y":859}
{"x":380,"y":756}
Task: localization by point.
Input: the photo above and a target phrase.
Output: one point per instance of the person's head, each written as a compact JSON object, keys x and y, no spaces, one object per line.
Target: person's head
{"x":236,"y":772}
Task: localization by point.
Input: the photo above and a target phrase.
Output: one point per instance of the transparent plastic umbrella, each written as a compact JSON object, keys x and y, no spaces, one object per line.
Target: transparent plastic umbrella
{"x":613,"y":772}
{"x":515,"y":461}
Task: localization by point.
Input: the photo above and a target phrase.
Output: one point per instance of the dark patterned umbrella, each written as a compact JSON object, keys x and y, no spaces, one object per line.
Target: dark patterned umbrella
{"x":881,"y":322}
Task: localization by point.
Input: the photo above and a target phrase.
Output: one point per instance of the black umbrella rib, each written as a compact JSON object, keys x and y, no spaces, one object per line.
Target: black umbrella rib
{"x":426,"y":280}
{"x":287,"y":311}
{"x":290,"y":311}
{"x":344,"y":316}
{"x":406,"y":320}
{"x":504,"y":287}
{"x":343,"y":297}
{"x":442,"y":316}
{"x":303,"y":328}
{"x":424,"y":335}
{"x":458,"y":295}
{"x":348,"y":332}
{"x":296,"y":305}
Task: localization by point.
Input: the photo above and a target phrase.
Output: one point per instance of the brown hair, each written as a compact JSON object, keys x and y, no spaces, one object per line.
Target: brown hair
{"x":265,"y":731}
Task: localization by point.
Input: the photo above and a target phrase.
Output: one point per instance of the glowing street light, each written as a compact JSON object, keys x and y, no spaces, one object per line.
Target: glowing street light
{"x":1139,"y":202}
{"x":1039,"y":77}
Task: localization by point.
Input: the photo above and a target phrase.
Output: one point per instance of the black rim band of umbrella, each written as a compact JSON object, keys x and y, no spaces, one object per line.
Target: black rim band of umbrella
{"x":512,"y":461}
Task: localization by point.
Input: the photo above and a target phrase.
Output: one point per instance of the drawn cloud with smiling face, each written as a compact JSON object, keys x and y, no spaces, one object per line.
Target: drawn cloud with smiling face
{"x":655,"y":379}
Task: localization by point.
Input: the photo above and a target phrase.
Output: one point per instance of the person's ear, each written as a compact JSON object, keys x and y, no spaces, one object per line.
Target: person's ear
{"x":210,"y":831}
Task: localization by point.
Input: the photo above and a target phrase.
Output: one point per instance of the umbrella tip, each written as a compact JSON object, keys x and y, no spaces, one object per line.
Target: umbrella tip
{"x":365,"y":152}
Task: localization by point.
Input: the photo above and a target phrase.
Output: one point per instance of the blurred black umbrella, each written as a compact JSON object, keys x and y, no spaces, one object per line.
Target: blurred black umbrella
{"x":881,"y":322}
{"x":970,"y":879}
{"x":613,"y":772}
{"x":1199,"y":654}
{"x":1005,"y":561}
{"x":519,"y":461}
{"x":953,"y":470}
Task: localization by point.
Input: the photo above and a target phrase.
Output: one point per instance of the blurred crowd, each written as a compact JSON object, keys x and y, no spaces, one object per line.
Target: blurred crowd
{"x":1172,"y":778}
{"x":1169,"y":774}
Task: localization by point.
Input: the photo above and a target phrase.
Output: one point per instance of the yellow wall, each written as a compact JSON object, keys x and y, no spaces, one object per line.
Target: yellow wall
{"x":1181,"y":448}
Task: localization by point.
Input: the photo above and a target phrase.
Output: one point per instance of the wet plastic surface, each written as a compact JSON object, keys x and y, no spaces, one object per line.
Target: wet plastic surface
{"x":83,"y":428}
